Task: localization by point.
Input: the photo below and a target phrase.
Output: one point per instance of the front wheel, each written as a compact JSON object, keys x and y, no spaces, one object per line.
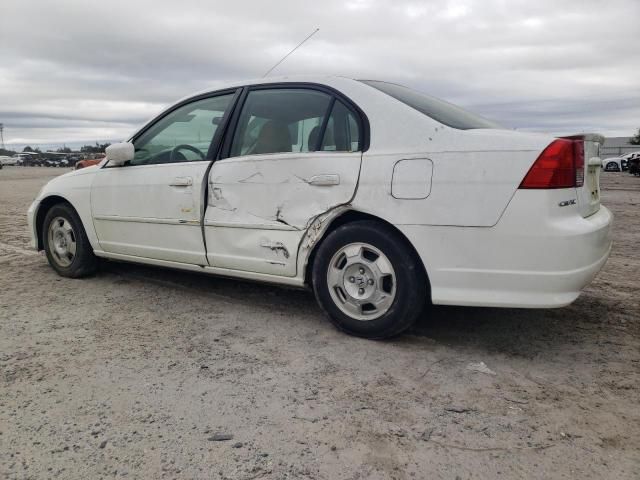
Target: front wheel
{"x":368,"y":280}
{"x":66,"y":244}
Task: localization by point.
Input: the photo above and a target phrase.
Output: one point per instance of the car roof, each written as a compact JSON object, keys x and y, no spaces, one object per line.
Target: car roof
{"x":335,"y":81}
{"x":328,"y":80}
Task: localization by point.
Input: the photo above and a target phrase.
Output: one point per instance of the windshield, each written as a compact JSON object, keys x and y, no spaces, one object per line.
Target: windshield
{"x":441,"y":111}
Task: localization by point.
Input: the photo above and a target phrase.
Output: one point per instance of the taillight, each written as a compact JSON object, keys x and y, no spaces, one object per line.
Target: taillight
{"x":560,"y":165}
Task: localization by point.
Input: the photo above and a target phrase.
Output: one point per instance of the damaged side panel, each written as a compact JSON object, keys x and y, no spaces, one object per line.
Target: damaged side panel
{"x":315,"y":232}
{"x":250,"y":250}
{"x":260,"y":206}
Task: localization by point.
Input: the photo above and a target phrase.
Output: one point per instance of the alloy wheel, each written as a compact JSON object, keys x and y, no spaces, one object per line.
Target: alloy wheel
{"x":62,"y":241}
{"x":361,"y":281}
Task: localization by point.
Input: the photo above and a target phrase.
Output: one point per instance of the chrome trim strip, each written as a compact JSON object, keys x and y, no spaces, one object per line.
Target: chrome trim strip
{"x":162,"y":221}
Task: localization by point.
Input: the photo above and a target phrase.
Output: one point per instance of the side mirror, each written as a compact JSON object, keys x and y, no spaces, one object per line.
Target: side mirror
{"x":120,"y":153}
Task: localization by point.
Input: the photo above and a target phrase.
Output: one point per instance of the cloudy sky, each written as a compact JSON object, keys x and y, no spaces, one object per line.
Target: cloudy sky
{"x":85,"y":70}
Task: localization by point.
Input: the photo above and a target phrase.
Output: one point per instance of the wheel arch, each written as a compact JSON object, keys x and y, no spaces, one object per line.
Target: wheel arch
{"x":614,"y":163}
{"x":351,"y":216}
{"x":43,"y":208}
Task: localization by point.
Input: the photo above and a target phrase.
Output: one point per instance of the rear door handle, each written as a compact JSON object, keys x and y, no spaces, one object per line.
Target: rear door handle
{"x":181,"y":182}
{"x":327,"y":180}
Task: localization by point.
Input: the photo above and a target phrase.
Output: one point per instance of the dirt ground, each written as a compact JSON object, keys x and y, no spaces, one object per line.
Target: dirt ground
{"x":139,"y":372}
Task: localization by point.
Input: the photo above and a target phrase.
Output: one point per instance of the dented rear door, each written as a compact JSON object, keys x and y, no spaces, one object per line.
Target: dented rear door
{"x":259,"y":206}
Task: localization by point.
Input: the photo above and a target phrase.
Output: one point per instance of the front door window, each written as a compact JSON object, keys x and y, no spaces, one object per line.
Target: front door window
{"x":183,"y":135}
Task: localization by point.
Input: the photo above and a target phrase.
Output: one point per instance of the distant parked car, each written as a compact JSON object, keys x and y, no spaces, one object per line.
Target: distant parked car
{"x":87,"y":163}
{"x":56,"y":162}
{"x":634,"y":166}
{"x":29,"y":161}
{"x":613,"y":164}
{"x":627,"y":158}
{"x":4,"y":160}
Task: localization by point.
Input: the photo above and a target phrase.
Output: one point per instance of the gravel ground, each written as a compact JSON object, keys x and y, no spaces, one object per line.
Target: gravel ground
{"x":146,"y":373}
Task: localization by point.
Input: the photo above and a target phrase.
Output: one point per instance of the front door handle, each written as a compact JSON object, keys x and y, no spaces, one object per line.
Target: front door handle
{"x":327,"y":180}
{"x":181,"y":182}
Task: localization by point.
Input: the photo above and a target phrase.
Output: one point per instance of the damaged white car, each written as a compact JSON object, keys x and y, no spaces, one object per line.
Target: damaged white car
{"x":377,"y":197}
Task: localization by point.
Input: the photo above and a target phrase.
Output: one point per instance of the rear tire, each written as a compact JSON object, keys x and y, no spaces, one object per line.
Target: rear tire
{"x":66,"y":244}
{"x":368,"y":280}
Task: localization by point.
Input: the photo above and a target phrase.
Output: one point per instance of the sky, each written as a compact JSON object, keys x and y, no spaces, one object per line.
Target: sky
{"x":81,"y":71}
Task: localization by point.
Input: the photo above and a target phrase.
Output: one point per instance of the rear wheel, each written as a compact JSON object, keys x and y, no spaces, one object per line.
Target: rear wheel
{"x":66,"y":244}
{"x":368,"y":281}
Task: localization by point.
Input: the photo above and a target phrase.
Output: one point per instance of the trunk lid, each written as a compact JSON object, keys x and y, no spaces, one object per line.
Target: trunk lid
{"x":588,"y":195}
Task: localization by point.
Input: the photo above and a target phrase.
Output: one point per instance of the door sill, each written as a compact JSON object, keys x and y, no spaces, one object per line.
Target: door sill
{"x":223,"y":272}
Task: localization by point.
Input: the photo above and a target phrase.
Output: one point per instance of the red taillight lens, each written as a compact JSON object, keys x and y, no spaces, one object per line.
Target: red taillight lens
{"x":560,"y":165}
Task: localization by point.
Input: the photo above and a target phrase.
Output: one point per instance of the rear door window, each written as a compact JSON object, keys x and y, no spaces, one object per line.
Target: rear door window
{"x":280,"y":120}
{"x":343,"y":132}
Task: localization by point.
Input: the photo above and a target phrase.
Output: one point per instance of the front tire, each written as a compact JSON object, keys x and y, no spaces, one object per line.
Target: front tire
{"x":368,"y":280}
{"x":66,"y":244}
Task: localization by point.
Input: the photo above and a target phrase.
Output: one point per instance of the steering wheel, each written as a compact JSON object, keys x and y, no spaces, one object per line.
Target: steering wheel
{"x":185,"y":147}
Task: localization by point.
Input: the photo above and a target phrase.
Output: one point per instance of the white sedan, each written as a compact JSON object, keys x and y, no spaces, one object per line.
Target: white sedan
{"x":5,"y":160}
{"x":613,"y":164}
{"x":379,"y":198}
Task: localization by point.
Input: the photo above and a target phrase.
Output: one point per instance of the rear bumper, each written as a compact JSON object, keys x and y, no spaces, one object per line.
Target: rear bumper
{"x":517,"y":289}
{"x":525,"y":261}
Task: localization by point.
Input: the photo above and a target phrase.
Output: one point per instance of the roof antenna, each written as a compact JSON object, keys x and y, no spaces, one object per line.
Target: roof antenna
{"x":294,"y":49}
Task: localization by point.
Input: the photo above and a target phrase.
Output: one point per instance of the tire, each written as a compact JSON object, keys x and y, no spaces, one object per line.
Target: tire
{"x":66,"y":244}
{"x":367,"y":260}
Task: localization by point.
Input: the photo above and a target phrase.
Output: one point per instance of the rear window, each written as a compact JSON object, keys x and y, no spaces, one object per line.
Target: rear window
{"x":441,"y":111}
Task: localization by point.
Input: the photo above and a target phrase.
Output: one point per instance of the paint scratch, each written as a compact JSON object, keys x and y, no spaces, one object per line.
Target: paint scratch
{"x":275,"y":247}
{"x":253,"y":178}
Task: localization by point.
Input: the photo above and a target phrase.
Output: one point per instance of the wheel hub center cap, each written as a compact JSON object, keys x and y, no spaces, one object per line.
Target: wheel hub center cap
{"x":61,"y":241}
{"x":359,"y":281}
